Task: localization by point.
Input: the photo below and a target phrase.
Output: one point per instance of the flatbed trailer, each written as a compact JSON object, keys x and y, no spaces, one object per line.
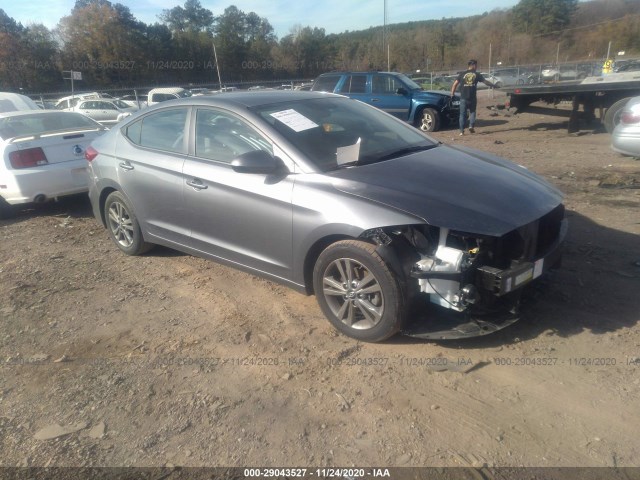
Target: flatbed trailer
{"x":608,"y":93}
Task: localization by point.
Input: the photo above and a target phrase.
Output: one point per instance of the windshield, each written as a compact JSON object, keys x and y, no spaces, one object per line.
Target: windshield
{"x":337,"y":132}
{"x":43,"y":123}
{"x":410,"y":83}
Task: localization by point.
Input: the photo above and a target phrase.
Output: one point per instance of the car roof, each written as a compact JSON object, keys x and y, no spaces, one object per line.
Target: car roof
{"x":167,"y":90}
{"x":14,"y":101}
{"x":250,"y":99}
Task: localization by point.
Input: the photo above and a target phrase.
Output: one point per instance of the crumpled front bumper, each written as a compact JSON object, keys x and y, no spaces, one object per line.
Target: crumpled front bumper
{"x":505,"y":284}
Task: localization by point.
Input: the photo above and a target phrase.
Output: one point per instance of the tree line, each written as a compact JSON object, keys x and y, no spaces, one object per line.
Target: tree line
{"x":189,"y":44}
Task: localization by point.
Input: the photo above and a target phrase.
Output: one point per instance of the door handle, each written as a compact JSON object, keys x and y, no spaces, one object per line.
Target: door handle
{"x":197,"y":184}
{"x":375,"y":99}
{"x":126,"y":166}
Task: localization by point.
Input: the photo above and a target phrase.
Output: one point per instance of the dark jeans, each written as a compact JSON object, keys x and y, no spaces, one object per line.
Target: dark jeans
{"x":464,"y":105}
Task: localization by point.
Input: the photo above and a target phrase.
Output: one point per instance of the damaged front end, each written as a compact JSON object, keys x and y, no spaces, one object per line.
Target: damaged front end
{"x":462,"y":284}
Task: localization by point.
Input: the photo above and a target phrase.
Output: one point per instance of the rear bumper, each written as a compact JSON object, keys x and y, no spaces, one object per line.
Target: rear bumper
{"x":47,"y":181}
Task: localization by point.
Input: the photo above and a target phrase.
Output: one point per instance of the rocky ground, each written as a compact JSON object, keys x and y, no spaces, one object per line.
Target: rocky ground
{"x":168,"y":359}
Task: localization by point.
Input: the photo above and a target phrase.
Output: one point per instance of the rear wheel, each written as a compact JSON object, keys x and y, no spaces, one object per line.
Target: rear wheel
{"x":123,"y":225}
{"x":357,"y":292}
{"x":429,"y":120}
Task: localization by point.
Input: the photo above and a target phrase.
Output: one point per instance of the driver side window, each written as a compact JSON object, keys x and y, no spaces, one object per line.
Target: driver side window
{"x":223,"y":137}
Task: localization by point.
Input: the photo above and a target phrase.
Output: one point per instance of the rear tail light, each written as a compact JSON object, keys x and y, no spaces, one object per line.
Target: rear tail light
{"x":90,"y":153}
{"x":31,"y":157}
{"x":630,"y":118}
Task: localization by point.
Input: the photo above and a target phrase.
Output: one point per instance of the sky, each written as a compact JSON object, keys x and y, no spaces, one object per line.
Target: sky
{"x":335,"y":16}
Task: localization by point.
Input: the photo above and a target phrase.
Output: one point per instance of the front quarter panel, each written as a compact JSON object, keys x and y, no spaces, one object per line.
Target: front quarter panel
{"x":322,"y":214}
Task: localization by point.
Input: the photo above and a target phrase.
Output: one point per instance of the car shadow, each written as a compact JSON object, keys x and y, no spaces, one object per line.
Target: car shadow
{"x":594,"y":291}
{"x":73,"y":206}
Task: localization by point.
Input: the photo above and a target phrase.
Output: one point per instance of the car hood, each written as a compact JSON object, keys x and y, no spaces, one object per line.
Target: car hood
{"x":458,"y":188}
{"x":430,"y":93}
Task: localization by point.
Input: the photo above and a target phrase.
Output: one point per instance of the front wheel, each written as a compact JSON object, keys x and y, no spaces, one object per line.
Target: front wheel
{"x":429,"y":120}
{"x":357,"y":292}
{"x":123,"y":225}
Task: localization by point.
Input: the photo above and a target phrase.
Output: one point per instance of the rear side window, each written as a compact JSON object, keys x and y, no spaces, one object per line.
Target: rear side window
{"x":326,"y":83}
{"x":163,"y":130}
{"x":354,"y":84}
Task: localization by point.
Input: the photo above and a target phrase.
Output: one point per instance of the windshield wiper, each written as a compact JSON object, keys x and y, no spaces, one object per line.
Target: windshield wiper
{"x":406,"y":151}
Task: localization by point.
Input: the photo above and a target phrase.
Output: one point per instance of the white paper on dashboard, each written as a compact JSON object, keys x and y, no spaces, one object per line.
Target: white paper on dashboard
{"x":350,"y":153}
{"x":294,"y":120}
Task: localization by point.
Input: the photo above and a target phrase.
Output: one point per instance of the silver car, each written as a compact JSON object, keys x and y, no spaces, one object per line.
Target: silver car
{"x":625,"y":137}
{"x":330,"y":196}
{"x":106,"y":112}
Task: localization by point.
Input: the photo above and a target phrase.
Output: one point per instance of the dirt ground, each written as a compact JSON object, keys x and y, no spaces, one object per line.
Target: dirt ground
{"x":167,"y":359}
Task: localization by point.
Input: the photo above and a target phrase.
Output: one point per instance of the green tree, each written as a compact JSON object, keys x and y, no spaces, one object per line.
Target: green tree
{"x":543,"y":16}
{"x":193,"y":17}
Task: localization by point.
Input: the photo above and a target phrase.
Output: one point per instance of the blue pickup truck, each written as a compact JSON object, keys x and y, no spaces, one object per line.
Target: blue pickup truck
{"x":396,"y":94}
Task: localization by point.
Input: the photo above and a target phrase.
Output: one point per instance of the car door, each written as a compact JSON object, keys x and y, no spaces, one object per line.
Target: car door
{"x":150,"y":159}
{"x":355,"y":86}
{"x":245,"y":218}
{"x":388,"y":93}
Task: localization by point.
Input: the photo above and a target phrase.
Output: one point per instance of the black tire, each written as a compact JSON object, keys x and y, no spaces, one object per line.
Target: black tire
{"x":123,"y":226}
{"x":612,"y":115}
{"x":428,"y":120}
{"x":357,"y":292}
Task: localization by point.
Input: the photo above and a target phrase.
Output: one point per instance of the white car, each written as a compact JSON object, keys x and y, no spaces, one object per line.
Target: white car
{"x":106,"y":112}
{"x":12,"y":102}
{"x":42,"y":156}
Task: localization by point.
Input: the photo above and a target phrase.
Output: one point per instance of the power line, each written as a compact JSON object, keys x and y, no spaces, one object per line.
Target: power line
{"x":588,"y":26}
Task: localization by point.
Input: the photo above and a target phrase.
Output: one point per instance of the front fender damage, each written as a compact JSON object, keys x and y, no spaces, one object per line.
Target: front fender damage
{"x":449,"y":279}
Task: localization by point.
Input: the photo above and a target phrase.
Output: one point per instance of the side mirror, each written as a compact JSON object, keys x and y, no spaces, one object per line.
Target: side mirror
{"x":401,"y":91}
{"x":256,"y":161}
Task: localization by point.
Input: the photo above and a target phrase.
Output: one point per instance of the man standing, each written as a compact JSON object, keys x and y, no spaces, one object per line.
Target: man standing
{"x":468,"y":82}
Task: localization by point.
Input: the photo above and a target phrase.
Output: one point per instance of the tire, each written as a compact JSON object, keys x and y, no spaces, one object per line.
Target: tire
{"x":612,"y":115}
{"x":357,"y":292}
{"x":123,"y":226}
{"x":429,"y":120}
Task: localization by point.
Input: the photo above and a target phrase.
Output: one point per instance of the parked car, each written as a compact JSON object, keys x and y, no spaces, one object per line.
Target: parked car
{"x":492,"y":78}
{"x":14,"y":102}
{"x":331,"y":196}
{"x":131,"y":100}
{"x":629,"y":66}
{"x":158,"y":95}
{"x":509,"y":76}
{"x":201,"y":91}
{"x":43,"y":155}
{"x":567,"y":72}
{"x":106,"y":112}
{"x":67,"y":103}
{"x":396,"y":94}
{"x":625,"y":138}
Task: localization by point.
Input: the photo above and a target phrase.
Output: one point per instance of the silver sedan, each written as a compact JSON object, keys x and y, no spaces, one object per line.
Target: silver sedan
{"x":332,"y":197}
{"x":625,"y":137}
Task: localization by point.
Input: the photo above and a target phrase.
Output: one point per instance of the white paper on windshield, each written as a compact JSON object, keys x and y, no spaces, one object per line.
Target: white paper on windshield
{"x":294,"y":120}
{"x":350,"y":153}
